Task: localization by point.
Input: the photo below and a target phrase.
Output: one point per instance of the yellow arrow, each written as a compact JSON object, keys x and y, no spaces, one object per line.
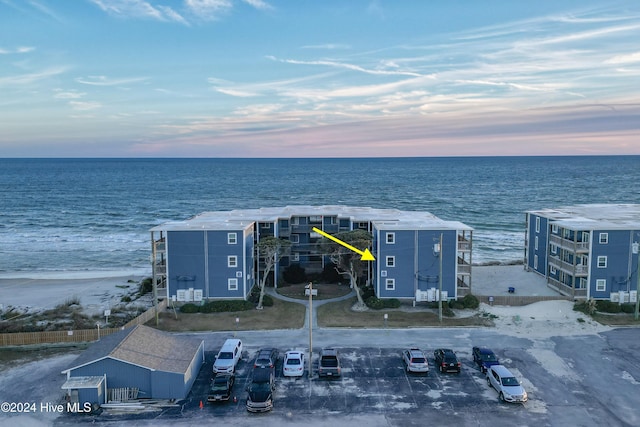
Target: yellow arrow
{"x":366,"y":255}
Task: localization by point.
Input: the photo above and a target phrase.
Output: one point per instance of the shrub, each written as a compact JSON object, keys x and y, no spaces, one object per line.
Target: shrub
{"x":146,"y":286}
{"x":374,"y":303}
{"x":267,"y":301}
{"x":294,"y":274}
{"x":189,"y":308}
{"x":329,"y":274}
{"x":457,"y":305}
{"x":367,"y":292}
{"x":392,"y":303}
{"x":607,"y":306}
{"x":628,"y":308}
{"x":470,"y":301}
{"x":125,"y":298}
{"x":224,"y":306}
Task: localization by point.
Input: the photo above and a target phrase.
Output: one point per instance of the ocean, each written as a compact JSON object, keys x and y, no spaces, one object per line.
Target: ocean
{"x":79,"y":216}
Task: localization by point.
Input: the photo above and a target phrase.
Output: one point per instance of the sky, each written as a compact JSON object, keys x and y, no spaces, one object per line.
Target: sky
{"x":308,"y":78}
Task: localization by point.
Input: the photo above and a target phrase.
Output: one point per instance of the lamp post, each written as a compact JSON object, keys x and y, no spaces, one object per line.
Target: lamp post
{"x":440,"y":282}
{"x":636,"y":247}
{"x":386,"y":317}
{"x":237,"y":325}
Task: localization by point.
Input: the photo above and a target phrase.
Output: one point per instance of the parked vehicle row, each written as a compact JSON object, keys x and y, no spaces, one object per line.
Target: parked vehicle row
{"x":262,"y":380}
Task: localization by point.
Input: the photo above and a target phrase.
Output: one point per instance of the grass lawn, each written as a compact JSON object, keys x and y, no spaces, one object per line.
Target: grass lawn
{"x":282,"y":315}
{"x":617,"y":319}
{"x":339,"y":314}
{"x":325,"y":290}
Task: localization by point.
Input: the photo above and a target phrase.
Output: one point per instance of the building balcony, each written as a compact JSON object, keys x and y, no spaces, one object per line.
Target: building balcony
{"x":570,"y":245}
{"x":574,"y":270}
{"x":566,"y":289}
{"x":464,"y":269}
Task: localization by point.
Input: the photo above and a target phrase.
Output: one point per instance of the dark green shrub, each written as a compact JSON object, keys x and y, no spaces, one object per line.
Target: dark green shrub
{"x":470,"y":301}
{"x":125,"y":298}
{"x":294,"y":274}
{"x":367,"y":292}
{"x":392,"y":303}
{"x":628,"y":308}
{"x":225,"y":306}
{"x":607,"y":306}
{"x":189,"y":308}
{"x":146,"y":286}
{"x":329,"y":274}
{"x":374,"y":303}
{"x":457,"y":305}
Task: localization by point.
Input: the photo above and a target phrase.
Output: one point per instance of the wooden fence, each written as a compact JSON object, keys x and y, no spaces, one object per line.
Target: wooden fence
{"x":80,"y":335}
{"x":518,"y":300}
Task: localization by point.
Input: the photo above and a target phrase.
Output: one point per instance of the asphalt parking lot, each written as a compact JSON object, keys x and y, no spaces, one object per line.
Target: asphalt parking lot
{"x":587,"y":380}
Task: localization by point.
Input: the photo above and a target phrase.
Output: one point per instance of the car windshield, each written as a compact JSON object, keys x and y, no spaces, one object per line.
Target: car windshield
{"x":489,"y":357}
{"x":259,"y":387}
{"x":417,"y":360}
{"x":293,"y":361}
{"x":226,"y":355}
{"x":263,"y":362}
{"x":510,"y":381}
{"x":219,"y":386}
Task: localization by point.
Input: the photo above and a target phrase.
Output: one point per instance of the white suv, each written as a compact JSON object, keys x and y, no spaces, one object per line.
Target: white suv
{"x":415,"y":360}
{"x":507,"y":386}
{"x":228,"y":357}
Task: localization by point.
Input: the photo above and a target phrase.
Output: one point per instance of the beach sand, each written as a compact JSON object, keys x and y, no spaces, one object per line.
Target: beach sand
{"x":35,"y":292}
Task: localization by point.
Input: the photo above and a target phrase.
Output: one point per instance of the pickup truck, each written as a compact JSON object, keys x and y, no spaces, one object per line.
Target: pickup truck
{"x":329,"y":364}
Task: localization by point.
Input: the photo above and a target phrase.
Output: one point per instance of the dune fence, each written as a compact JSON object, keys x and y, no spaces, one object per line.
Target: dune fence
{"x":74,"y":336}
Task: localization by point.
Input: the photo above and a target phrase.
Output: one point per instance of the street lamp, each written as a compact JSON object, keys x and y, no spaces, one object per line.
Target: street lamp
{"x":237,"y":325}
{"x":386,"y":317}
{"x":310,"y":287}
{"x":636,"y":249}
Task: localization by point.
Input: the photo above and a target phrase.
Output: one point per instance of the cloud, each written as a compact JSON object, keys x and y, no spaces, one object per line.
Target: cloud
{"x":208,"y":9}
{"x":106,"y":81}
{"x":20,"y":49}
{"x":624,"y":59}
{"x":28,"y":78}
{"x":258,"y":4}
{"x":327,"y":46}
{"x":139,"y":9}
{"x":350,"y":67}
{"x":72,"y":94}
{"x":85,"y":105}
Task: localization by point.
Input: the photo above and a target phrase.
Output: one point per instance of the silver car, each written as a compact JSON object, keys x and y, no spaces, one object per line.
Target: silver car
{"x":415,"y":360}
{"x":506,"y":384}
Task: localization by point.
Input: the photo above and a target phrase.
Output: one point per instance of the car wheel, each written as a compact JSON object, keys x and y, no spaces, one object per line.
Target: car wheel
{"x":501,"y":397}
{"x":489,"y":382}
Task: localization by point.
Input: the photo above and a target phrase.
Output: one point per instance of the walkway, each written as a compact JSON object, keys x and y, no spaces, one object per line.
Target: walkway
{"x":316,"y":303}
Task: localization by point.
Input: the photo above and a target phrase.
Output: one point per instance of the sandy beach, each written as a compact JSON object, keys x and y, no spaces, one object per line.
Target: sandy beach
{"x":96,"y":291}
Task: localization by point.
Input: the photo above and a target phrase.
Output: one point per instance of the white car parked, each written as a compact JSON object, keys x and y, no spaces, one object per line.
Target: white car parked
{"x":293,"y":365}
{"x":415,"y":360}
{"x":508,"y":387}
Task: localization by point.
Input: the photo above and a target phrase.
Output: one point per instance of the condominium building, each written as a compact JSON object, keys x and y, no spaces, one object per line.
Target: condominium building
{"x":214,"y":254}
{"x":586,"y":251}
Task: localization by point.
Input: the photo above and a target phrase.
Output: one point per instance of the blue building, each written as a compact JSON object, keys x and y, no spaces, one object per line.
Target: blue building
{"x":135,"y":363}
{"x":586,"y":251}
{"x":213,"y":255}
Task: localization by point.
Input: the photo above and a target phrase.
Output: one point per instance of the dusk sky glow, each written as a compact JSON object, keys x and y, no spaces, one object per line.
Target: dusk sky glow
{"x":279,"y":78}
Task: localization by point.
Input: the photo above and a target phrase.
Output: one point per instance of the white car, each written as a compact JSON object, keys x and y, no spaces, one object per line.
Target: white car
{"x":293,"y":365}
{"x":415,"y":360}
{"x":508,"y":387}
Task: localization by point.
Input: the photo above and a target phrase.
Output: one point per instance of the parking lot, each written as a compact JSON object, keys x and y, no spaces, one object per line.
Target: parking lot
{"x":586,"y":380}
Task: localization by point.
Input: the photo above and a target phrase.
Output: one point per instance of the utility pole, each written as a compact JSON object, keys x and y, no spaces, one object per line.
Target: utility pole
{"x":310,"y":330}
{"x":635,"y":316}
{"x":440,"y":283}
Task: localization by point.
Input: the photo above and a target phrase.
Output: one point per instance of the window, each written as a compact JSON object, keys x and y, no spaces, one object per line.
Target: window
{"x":602,"y":261}
{"x":315,"y":219}
{"x":232,"y":261}
{"x":554,"y":228}
{"x":604,"y":238}
{"x":535,"y":244}
{"x":535,"y":262}
{"x":391,"y":238}
{"x":390,"y":284}
{"x":383,"y":273}
{"x":554,"y":248}
{"x":391,"y":261}
{"x":552,"y":270}
{"x":232,"y":284}
{"x":295,"y":238}
{"x":601,"y":285}
{"x":295,"y":257}
{"x":232,"y":238}
{"x":537,"y":224}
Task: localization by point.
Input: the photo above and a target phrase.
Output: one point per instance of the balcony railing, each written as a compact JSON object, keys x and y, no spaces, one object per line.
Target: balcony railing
{"x":574,"y":270}
{"x":575,"y":247}
{"x":566,"y":289}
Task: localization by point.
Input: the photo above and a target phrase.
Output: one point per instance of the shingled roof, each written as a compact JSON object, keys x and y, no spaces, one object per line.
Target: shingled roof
{"x":143,"y":346}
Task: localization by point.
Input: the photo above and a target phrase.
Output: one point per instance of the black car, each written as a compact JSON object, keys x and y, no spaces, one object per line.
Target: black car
{"x":446,"y":360}
{"x":220,"y":389}
{"x":484,"y":358}
{"x":260,"y":391}
{"x":267,"y":357}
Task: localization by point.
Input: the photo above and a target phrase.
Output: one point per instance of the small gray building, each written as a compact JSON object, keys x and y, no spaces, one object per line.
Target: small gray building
{"x":135,"y":363}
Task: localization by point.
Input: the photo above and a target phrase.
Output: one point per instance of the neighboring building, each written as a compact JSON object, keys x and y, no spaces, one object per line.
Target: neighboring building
{"x":138,"y":362}
{"x":213,"y":255}
{"x":586,"y":251}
